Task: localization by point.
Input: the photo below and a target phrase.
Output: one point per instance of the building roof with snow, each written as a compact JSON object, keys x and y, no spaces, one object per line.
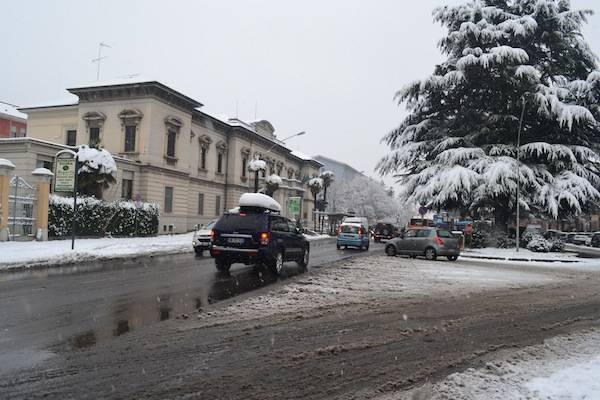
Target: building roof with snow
{"x":10,"y":111}
{"x":111,"y":89}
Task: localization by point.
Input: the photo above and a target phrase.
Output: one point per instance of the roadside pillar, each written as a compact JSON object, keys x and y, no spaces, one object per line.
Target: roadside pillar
{"x":6,"y":169}
{"x":44,"y":177}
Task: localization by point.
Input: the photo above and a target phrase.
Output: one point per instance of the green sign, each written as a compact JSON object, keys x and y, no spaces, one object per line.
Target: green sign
{"x":64,"y":175}
{"x":294,"y":206}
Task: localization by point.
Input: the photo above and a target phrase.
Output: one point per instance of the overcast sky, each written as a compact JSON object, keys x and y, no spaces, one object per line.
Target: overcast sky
{"x":330,"y":68}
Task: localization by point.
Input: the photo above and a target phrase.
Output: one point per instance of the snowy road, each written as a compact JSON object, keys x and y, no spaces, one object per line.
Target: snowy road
{"x":357,"y":328}
{"x":79,"y":306}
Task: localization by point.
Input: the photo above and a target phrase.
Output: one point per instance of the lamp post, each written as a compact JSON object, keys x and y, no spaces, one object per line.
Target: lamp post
{"x":518,"y":231}
{"x":284,"y":140}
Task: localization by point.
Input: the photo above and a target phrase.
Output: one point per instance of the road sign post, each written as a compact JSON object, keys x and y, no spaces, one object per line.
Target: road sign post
{"x":66,"y":180}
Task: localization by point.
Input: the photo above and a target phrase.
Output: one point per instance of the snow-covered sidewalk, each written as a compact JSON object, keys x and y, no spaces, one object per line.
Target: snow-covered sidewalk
{"x":563,"y":368}
{"x":18,"y":255}
{"x":57,"y":252}
{"x":521,"y":255}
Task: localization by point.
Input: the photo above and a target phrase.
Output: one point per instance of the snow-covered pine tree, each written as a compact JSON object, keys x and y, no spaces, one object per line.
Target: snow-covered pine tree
{"x":457,"y":148}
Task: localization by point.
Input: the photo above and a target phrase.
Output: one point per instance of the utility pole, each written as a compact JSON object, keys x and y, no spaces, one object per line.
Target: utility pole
{"x":100,"y":58}
{"x":518,"y":233}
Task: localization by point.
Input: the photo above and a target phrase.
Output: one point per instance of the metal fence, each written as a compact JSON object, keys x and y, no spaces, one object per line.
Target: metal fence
{"x":21,"y":218}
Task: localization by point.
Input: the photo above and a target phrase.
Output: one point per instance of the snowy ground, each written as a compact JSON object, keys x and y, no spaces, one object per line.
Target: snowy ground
{"x":563,"y":368}
{"x":56,"y":252}
{"x":368,"y":280}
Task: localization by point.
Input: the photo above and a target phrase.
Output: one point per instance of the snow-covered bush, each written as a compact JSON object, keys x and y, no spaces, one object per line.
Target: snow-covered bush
{"x":478,"y":239}
{"x":539,"y":244}
{"x":502,"y":240}
{"x":557,"y":245}
{"x":97,"y":170}
{"x":527,"y":237}
{"x":98,"y":218}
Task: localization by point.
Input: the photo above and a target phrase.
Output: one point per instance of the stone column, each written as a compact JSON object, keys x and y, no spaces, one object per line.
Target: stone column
{"x":44,"y":177}
{"x":6,"y":169}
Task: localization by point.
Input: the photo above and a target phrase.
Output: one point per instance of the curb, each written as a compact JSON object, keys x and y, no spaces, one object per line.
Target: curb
{"x":546,"y":260}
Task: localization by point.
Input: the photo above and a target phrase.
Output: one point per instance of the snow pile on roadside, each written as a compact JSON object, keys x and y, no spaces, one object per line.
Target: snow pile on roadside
{"x":372,"y":280}
{"x":564,"y":367}
{"x":28,"y":254}
{"x":312,"y":238}
{"x":522,"y":253}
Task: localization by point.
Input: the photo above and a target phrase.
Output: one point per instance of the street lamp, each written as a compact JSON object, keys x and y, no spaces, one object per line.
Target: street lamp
{"x":518,"y":231}
{"x":284,"y":140}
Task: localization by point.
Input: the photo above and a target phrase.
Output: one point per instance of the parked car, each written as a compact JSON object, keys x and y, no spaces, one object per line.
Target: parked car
{"x":428,"y":242}
{"x":202,"y":237}
{"x":353,"y":235}
{"x":552,"y":234}
{"x":596,"y":240}
{"x":257,"y":234}
{"x":383,"y":231}
{"x":579,"y":239}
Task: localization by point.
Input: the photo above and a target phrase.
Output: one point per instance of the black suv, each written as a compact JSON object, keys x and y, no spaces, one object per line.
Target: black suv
{"x":256,"y":236}
{"x":383,"y":232}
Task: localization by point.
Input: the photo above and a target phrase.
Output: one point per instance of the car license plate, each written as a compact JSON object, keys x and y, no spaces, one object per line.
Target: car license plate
{"x":235,"y":240}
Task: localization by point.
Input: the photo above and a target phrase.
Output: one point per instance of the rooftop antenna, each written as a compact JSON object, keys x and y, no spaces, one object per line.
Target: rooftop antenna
{"x":100,"y":58}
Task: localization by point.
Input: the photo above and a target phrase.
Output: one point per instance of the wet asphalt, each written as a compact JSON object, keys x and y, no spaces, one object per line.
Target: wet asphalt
{"x":75,"y":307}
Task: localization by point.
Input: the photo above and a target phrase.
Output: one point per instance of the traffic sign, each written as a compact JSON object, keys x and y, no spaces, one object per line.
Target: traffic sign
{"x":64,"y":175}
{"x":294,"y":206}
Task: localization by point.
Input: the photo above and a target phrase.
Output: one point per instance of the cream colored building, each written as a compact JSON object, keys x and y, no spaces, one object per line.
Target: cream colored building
{"x":167,"y":150}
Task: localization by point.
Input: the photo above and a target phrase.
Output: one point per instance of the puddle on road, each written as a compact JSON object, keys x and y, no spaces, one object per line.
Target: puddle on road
{"x":136,"y":312}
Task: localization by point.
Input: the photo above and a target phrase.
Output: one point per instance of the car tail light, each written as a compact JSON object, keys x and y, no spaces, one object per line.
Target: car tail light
{"x":339,"y":230}
{"x":264,"y":238}
{"x":438,"y":241}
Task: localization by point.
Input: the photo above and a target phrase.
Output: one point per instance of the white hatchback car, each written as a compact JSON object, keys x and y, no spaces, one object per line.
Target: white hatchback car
{"x":202,"y":238}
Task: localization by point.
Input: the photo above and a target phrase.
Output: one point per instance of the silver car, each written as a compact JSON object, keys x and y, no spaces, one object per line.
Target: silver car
{"x":428,"y":242}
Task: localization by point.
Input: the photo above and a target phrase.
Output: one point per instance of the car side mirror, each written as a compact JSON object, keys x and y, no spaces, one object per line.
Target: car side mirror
{"x":196,"y":228}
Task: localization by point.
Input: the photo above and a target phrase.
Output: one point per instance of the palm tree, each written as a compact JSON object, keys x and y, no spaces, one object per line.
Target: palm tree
{"x":327,"y":177}
{"x":316,"y":185}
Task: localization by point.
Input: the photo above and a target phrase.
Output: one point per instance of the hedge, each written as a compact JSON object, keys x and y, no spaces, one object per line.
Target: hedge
{"x":98,"y":218}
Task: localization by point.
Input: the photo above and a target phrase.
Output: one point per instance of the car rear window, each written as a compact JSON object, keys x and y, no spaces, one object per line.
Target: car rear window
{"x":349,"y":229}
{"x":241,"y":222}
{"x":444,"y":234}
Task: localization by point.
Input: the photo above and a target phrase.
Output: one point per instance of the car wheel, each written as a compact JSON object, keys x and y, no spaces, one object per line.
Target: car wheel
{"x":303,"y":262}
{"x":367,"y":247}
{"x":430,"y":254}
{"x":277,"y":263}
{"x":222,"y":265}
{"x":198,"y":251}
{"x":390,"y":250}
{"x":452,"y":258}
